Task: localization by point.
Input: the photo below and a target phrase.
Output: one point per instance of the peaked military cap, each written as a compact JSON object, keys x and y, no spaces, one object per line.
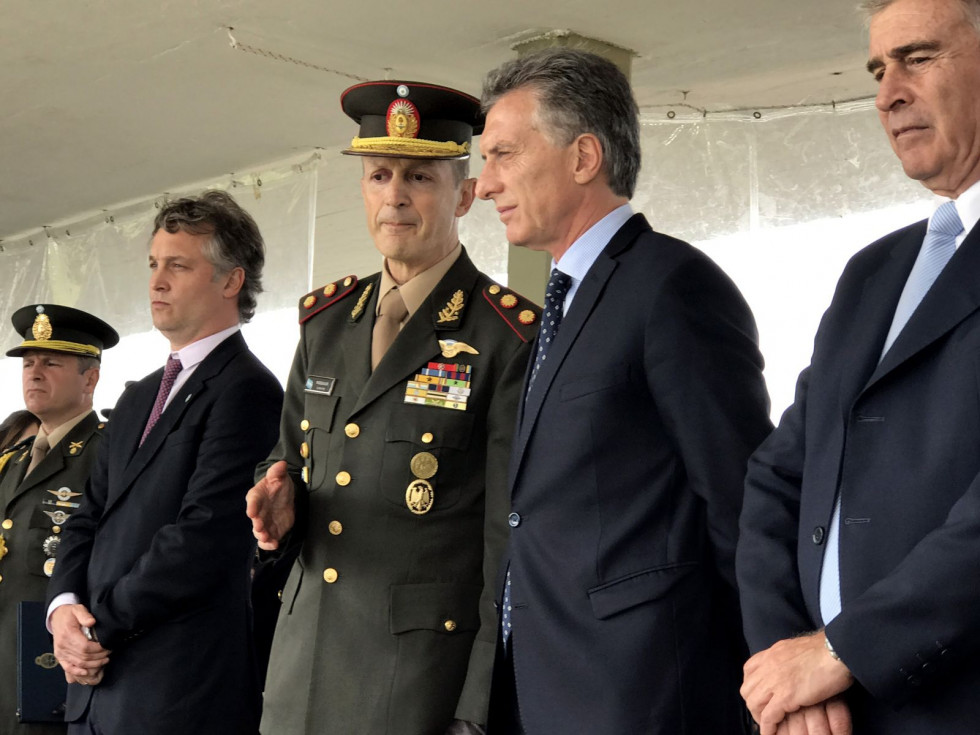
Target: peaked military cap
{"x":411,"y":120}
{"x":61,"y":329}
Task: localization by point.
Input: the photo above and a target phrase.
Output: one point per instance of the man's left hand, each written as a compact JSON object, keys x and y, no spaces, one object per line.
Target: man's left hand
{"x":791,"y":674}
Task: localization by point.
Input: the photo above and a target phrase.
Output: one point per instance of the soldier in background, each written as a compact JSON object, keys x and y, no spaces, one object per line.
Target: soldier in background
{"x":42,"y":477}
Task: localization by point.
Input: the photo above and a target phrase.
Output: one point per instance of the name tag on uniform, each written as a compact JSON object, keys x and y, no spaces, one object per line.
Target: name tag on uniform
{"x":320,"y":386}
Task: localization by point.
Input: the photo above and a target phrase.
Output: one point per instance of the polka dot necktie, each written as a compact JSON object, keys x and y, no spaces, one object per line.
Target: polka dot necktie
{"x":554,"y":304}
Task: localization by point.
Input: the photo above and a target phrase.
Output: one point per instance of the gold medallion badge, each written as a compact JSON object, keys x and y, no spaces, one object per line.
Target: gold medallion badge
{"x":419,"y":497}
{"x":42,"y":328}
{"x":424,"y":465}
{"x":526,"y":317}
{"x":309,"y":302}
{"x":330,"y":289}
{"x":508,"y":301}
{"x":451,"y":348}
{"x":402,"y":120}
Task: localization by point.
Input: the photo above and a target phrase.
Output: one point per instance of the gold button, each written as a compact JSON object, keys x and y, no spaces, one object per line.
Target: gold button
{"x":336,"y":528}
{"x":55,"y":529}
{"x":450,"y":625}
{"x":1,"y":577}
{"x":330,"y":575}
{"x":279,"y":595}
{"x":494,"y":289}
{"x":304,"y":425}
{"x":102,"y":425}
{"x":7,"y":524}
{"x":343,"y":479}
{"x":427,"y":438}
{"x":304,"y":450}
{"x":352,"y":430}
{"x":306,"y":475}
{"x":348,"y":281}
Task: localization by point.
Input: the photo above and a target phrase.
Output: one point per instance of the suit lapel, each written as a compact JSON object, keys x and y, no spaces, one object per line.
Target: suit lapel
{"x":418,"y":341}
{"x":189,"y":393}
{"x":586,"y":298}
{"x":953,"y":297}
{"x":879,"y":298}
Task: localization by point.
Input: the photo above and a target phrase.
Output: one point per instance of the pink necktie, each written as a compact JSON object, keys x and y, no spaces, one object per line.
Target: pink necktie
{"x":166,"y":384}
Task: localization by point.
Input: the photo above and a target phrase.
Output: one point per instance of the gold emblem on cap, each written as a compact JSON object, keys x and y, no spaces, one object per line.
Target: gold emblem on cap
{"x":402,"y":120}
{"x":508,"y":301}
{"x":424,"y":465}
{"x":49,"y":567}
{"x":494,"y":289}
{"x":419,"y":497}
{"x":451,"y":348}
{"x":308,"y":302}
{"x":451,"y":312}
{"x":46,"y":661}
{"x":359,"y":306}
{"x":330,"y":289}
{"x":526,"y":317}
{"x":42,"y":326}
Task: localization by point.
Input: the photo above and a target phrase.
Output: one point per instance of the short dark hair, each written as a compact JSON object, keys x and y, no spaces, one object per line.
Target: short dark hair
{"x":234,"y":242}
{"x":578,"y":92}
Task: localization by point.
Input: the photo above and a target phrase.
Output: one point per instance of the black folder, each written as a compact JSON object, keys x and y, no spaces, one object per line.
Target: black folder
{"x":41,"y":687}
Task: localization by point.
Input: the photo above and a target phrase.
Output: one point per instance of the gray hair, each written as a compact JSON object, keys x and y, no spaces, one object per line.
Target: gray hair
{"x":971,"y":8}
{"x":578,"y":92}
{"x":234,"y":242}
{"x":86,"y":363}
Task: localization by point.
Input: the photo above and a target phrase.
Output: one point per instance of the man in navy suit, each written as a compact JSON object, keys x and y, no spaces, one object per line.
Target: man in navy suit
{"x":859,"y":561}
{"x":149,"y":602}
{"x":643,"y":402}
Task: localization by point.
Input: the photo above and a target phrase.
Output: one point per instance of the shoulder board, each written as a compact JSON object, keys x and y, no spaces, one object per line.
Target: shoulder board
{"x":316,"y":301}
{"x":5,"y":457}
{"x":520,"y":314}
{"x":10,"y":451}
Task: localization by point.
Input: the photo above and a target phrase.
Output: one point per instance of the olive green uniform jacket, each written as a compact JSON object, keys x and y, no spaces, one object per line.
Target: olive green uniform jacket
{"x":32,"y":509}
{"x":387,"y":623}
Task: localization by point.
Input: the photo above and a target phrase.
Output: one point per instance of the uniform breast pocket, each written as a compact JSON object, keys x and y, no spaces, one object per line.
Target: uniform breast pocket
{"x":424,"y":461}
{"x":320,"y":412}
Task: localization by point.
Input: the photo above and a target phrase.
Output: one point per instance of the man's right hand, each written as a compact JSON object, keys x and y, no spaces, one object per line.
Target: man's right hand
{"x":270,"y":506}
{"x":81,"y":658}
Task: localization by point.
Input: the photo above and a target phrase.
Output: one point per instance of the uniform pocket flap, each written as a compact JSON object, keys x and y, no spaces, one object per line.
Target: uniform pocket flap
{"x":621,"y":594}
{"x":443,"y":607}
{"x":441,"y":427}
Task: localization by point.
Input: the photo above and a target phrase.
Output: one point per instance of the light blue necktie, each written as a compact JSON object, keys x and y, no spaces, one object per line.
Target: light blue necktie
{"x":937,"y":248}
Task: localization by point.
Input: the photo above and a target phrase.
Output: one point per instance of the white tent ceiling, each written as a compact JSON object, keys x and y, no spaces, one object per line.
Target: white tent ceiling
{"x":106,"y":101}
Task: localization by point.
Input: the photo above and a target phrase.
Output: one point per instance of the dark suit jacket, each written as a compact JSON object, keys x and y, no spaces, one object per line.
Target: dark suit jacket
{"x":160,"y":552}
{"x":899,"y":441}
{"x":26,"y":502}
{"x":400,"y":639}
{"x":626,"y":482}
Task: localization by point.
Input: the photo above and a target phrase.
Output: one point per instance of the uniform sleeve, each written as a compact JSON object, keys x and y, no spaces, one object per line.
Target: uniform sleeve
{"x":501,"y":423}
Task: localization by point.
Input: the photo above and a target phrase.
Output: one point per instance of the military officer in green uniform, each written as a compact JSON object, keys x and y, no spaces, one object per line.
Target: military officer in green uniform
{"x":43,"y":477}
{"x":391,"y":469}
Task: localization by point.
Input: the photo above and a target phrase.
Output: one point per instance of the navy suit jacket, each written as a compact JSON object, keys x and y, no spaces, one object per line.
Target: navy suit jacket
{"x":898,"y":440}
{"x":160,"y":552}
{"x":626,"y":485}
